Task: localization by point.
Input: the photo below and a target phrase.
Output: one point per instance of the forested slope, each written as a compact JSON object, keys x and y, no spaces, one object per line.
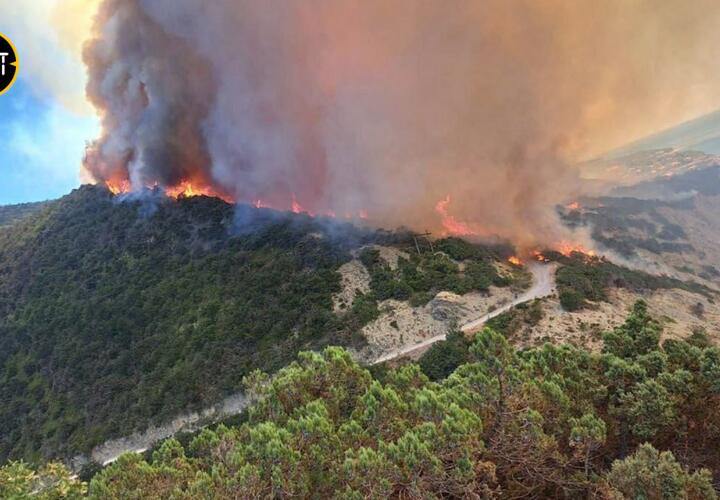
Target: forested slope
{"x":10,"y":214}
{"x":637,"y":420}
{"x":115,"y":314}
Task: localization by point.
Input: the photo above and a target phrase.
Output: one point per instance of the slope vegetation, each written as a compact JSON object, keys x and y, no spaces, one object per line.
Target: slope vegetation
{"x":638,"y":420}
{"x":9,"y":214}
{"x":113,"y":315}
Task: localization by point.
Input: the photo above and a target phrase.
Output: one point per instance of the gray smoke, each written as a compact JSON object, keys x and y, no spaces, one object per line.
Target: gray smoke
{"x":385,"y":106}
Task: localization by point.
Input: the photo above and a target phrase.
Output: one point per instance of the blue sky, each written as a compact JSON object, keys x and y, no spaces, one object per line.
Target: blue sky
{"x":44,"y":118}
{"x":42,"y":145}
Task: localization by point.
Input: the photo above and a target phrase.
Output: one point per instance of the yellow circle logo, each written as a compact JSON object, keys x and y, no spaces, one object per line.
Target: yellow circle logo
{"x":9,"y":64}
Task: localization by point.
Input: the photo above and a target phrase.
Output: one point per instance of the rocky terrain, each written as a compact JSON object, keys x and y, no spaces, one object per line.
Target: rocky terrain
{"x":680,"y":312}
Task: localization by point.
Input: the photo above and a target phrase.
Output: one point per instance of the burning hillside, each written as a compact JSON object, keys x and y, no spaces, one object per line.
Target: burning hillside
{"x":346,"y":108}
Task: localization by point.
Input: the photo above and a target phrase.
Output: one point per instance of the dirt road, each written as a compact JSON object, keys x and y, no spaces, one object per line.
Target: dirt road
{"x":543,"y":285}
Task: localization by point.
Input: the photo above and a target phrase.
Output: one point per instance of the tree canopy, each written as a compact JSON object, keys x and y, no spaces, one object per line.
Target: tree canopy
{"x":637,"y":420}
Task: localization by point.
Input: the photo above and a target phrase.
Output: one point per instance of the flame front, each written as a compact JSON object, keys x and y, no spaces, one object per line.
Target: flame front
{"x":575,"y":205}
{"x":567,"y":248}
{"x":185,"y":189}
{"x":538,"y":256}
{"x":296,"y":207}
{"x":452,"y":225}
{"x":118,"y":187}
{"x":514,"y":260}
{"x":189,"y":189}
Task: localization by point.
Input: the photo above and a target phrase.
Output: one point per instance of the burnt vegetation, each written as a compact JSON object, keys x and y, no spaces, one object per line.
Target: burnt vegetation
{"x":632,"y":218}
{"x":625,"y":225}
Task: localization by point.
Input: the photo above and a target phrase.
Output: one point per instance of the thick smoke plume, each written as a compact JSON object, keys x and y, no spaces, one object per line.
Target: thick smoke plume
{"x":421,"y":112}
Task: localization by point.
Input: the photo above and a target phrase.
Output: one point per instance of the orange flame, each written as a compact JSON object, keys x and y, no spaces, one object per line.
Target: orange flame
{"x":568,"y":248}
{"x":118,"y":187}
{"x":450,"y":223}
{"x":184,"y":189}
{"x":188,"y":189}
{"x":538,"y":256}
{"x":575,"y":205}
{"x":296,"y":207}
{"x":515,"y":261}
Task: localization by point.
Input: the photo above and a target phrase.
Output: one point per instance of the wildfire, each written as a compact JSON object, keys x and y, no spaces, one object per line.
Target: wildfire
{"x":538,"y":256}
{"x":515,"y":261}
{"x":118,"y":187}
{"x":450,"y":223}
{"x":185,"y":190}
{"x":568,"y":248}
{"x":188,"y":189}
{"x":573,"y":206}
{"x":565,"y":248}
{"x":296,"y":207}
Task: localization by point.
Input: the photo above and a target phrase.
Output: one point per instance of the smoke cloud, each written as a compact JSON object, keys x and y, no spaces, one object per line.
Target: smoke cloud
{"x":48,"y":35}
{"x":391,"y":107}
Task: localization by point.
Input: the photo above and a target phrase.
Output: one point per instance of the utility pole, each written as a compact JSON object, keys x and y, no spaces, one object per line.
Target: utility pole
{"x":417,"y":247}
{"x":427,"y":235}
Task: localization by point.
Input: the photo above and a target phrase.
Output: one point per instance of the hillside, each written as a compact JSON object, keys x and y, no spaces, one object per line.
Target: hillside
{"x":700,"y":134}
{"x":667,"y":224}
{"x":644,"y":166}
{"x":637,"y":420}
{"x":9,"y":214}
{"x":112,"y":316}
{"x":118,"y":314}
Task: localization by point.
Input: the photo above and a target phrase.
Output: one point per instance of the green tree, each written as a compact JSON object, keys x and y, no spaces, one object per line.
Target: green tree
{"x":496,"y":358}
{"x":51,"y":482}
{"x":507,"y":424}
{"x":640,"y":334}
{"x":649,"y":407}
{"x":587,"y":434}
{"x":651,"y":474}
{"x":444,"y":357}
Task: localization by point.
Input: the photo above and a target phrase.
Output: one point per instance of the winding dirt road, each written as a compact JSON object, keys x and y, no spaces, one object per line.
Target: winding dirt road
{"x":543,"y":285}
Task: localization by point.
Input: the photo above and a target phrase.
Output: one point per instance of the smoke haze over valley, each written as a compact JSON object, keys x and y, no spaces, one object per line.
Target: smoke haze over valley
{"x":384,"y":109}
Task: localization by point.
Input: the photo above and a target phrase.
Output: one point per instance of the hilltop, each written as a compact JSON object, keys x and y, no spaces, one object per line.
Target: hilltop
{"x":116,"y":314}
